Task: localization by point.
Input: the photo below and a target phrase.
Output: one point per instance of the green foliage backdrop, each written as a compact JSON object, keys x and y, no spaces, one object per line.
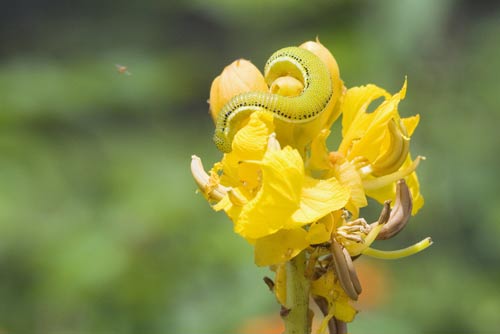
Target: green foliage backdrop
{"x":100,"y":227}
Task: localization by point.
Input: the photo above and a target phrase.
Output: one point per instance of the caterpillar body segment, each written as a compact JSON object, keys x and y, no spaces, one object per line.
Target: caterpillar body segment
{"x":307,"y":106}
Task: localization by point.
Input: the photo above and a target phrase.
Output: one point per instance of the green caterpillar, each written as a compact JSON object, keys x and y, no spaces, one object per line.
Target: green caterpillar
{"x":292,"y":61}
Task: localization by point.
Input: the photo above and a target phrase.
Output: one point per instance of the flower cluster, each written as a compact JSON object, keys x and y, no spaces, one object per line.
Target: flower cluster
{"x":287,"y":199}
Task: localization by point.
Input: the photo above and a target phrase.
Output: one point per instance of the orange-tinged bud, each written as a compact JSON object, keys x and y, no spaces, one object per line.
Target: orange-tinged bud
{"x":241,"y":76}
{"x":319,"y":50}
{"x":324,"y":54}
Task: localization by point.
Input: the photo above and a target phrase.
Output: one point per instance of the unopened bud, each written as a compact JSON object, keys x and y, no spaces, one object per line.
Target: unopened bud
{"x":287,"y":86}
{"x":325,"y":55}
{"x":240,"y":76}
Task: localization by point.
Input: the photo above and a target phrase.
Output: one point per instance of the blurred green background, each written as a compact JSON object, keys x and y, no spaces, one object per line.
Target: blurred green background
{"x":100,"y":227}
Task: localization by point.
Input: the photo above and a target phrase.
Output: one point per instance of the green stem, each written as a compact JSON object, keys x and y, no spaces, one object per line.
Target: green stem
{"x":297,"y":321}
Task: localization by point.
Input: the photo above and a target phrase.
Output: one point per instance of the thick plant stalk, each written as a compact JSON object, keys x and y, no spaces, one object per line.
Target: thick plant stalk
{"x":297,"y":319}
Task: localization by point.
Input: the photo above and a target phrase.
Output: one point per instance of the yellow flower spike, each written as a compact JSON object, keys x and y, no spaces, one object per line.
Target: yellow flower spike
{"x":398,"y":254}
{"x":289,"y":197}
{"x":240,"y":76}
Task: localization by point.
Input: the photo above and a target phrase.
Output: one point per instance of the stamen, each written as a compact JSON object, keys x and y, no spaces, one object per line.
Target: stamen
{"x":352,"y":271}
{"x":359,"y":222}
{"x":385,"y":214}
{"x":400,"y":214}
{"x":357,"y":248}
{"x":397,"y":254}
{"x":351,"y":228}
{"x":273,"y":144}
{"x":342,"y":270}
{"x":352,"y":237}
{"x":269,"y":282}
{"x":204,"y":181}
{"x":372,"y":231}
{"x":236,"y":197}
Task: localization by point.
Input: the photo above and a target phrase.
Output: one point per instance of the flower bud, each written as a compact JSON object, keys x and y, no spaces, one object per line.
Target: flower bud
{"x":239,"y":77}
{"x":319,"y":50}
{"x":287,"y":86}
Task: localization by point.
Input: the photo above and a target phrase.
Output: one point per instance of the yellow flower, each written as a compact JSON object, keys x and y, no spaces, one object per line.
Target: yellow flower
{"x":377,"y":144}
{"x":288,"y":194}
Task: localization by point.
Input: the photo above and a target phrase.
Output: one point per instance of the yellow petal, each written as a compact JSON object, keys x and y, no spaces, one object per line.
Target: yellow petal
{"x":339,"y":303}
{"x":280,"y":247}
{"x":343,"y":310}
{"x":319,"y":152}
{"x":411,"y":123}
{"x":356,"y":101}
{"x":280,"y":283}
{"x":278,"y":198}
{"x":318,"y":198}
{"x":249,"y":143}
{"x":414,"y":186}
{"x":323,"y":286}
{"x":374,"y":126}
{"x":364,"y":133}
{"x":348,"y":176}
{"x":320,"y":231}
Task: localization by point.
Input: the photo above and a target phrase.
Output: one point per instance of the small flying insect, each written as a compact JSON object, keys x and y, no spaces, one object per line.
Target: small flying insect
{"x":122,"y":69}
